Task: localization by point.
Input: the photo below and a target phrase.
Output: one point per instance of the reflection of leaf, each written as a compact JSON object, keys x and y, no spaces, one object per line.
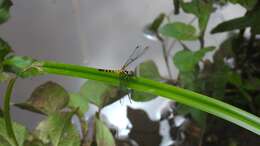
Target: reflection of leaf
{"x":145,"y":131}
{"x":98,"y":93}
{"x":5,"y":10}
{"x":46,"y":98}
{"x":103,"y":135}
{"x":58,"y":130}
{"x":249,"y":20}
{"x":179,"y":31}
{"x":200,"y":8}
{"x":149,"y":70}
{"x":19,"y":131}
{"x":76,"y":101}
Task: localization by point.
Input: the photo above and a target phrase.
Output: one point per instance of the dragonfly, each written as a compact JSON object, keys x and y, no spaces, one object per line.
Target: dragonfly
{"x":124,"y":74}
{"x":137,"y":53}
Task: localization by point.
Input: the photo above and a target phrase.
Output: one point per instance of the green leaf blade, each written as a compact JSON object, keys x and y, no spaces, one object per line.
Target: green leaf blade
{"x":78,"y":102}
{"x":98,"y":93}
{"x":199,"y":101}
{"x":19,"y":131}
{"x":179,"y":31}
{"x":5,"y":6}
{"x":103,"y":135}
{"x":149,"y":70}
{"x":201,"y":9}
{"x":58,"y":129}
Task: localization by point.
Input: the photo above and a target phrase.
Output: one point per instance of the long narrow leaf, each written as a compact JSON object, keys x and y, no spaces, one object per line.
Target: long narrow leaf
{"x":202,"y":102}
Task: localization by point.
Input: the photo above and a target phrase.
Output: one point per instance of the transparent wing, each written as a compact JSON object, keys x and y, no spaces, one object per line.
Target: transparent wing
{"x":138,"y":52}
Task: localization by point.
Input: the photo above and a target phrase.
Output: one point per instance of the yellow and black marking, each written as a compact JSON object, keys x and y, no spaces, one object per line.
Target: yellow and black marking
{"x":126,"y":72}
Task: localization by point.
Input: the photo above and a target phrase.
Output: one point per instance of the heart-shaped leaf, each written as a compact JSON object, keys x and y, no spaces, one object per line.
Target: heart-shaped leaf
{"x":147,"y":69}
{"x":78,"y":102}
{"x":186,"y":60}
{"x":99,"y":93}
{"x":200,"y":8}
{"x":179,"y":31}
{"x":47,"y":98}
{"x":58,"y":130}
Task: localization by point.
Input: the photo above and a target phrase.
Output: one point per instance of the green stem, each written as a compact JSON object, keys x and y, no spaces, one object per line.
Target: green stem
{"x":6,"y":111}
{"x":202,"y":102}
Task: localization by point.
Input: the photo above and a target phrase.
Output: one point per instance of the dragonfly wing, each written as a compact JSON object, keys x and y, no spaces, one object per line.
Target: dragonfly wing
{"x":138,"y":52}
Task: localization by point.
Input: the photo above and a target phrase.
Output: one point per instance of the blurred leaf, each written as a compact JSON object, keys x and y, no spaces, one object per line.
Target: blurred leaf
{"x":149,"y":70}
{"x":4,"y":49}
{"x":179,"y":31}
{"x":176,"y":5}
{"x":19,"y":130}
{"x":198,"y":116}
{"x":3,"y":77}
{"x":225,"y":49}
{"x":22,"y":66}
{"x":234,"y":78}
{"x":47,"y":98}
{"x":200,"y":8}
{"x":187,"y":63}
{"x":252,"y":83}
{"x":156,"y":23}
{"x":5,"y":10}
{"x":142,"y":96}
{"x":1,"y":113}
{"x":34,"y":142}
{"x":215,"y":78}
{"x":188,"y":80}
{"x":77,"y":101}
{"x":186,"y":60}
{"x":248,"y":4}
{"x":249,"y":20}
{"x":257,"y":102}
{"x":58,"y":130}
{"x":99,"y":93}
{"x":4,"y":142}
{"x":103,"y":135}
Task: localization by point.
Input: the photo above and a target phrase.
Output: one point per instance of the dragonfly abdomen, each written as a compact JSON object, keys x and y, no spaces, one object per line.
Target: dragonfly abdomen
{"x":118,"y":71}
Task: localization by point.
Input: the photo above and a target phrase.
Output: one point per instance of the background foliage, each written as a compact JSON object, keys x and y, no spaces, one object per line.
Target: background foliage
{"x":236,"y":83}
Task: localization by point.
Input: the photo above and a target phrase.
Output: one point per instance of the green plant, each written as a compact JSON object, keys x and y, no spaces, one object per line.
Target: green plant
{"x":214,"y":79}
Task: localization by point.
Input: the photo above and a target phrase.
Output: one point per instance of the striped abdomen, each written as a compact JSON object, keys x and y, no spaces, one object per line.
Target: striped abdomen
{"x":131,"y":73}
